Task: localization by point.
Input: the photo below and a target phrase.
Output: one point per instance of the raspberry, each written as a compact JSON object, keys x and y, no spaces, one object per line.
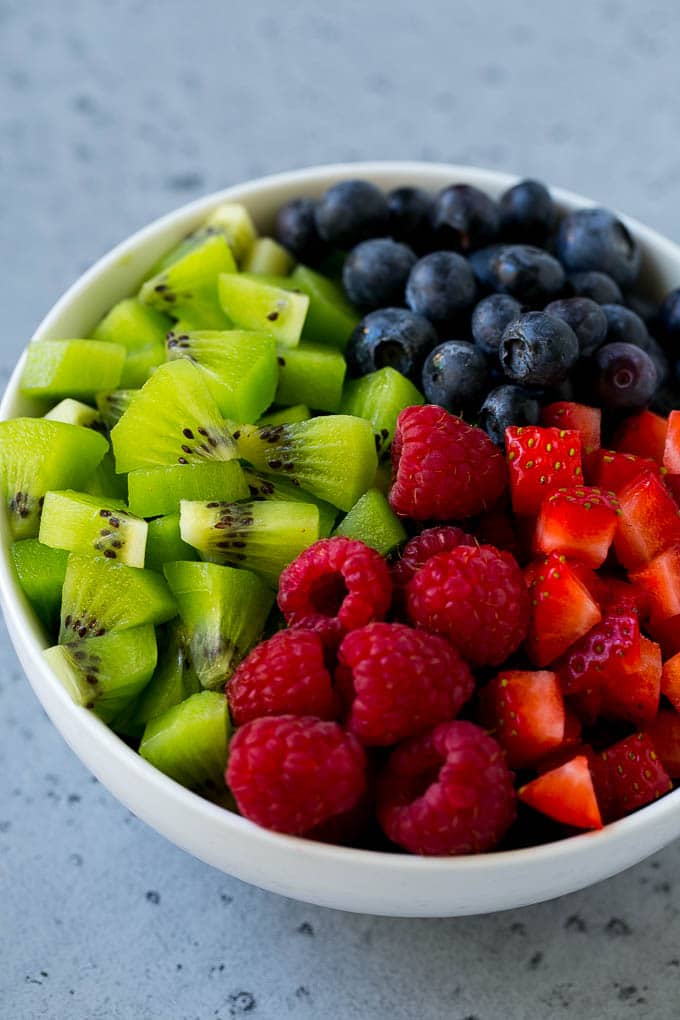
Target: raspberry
{"x":422,"y":548}
{"x":447,"y":792}
{"x":291,"y":773}
{"x":285,"y":675}
{"x":474,"y":596}
{"x":399,"y":682}
{"x":334,"y":586}
{"x":443,"y":469}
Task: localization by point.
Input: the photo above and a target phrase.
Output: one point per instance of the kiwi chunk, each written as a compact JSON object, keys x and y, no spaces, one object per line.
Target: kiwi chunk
{"x":75,"y":412}
{"x":187,"y":289}
{"x":71,"y":368}
{"x":373,"y":522}
{"x":172,"y":682}
{"x":104,"y":482}
{"x":235,"y":222}
{"x":157,"y":491}
{"x":164,"y":543}
{"x":253,"y":304}
{"x":261,"y":486}
{"x":99,"y":597}
{"x":37,"y":454}
{"x":223,"y":611}
{"x":189,"y":741}
{"x":106,"y":673}
{"x":334,"y":457}
{"x":173,"y":420}
{"x":113,"y":404}
{"x":40,"y":572}
{"x":268,"y":257}
{"x":380,"y":397}
{"x":260,"y":536}
{"x":311,"y":374}
{"x":240,"y":367}
{"x":141,"y":330}
{"x":285,"y":415}
{"x":87,"y":524}
{"x":331,"y":318}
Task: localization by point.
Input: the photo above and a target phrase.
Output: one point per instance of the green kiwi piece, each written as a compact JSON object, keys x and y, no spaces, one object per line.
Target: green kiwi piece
{"x":268,"y":257}
{"x":223,"y":611}
{"x":87,"y":524}
{"x":141,"y":330}
{"x":40,"y":571}
{"x":71,"y":368}
{"x":332,"y":457}
{"x":252,"y":304}
{"x":373,"y":522}
{"x":285,"y":415}
{"x":188,"y":287}
{"x":263,"y":486}
{"x":172,"y":682}
{"x":311,"y":374}
{"x":164,"y":543}
{"x":173,"y":420}
{"x":157,"y":491}
{"x":235,"y":222}
{"x":105,"y":482}
{"x":106,"y":673}
{"x":37,"y":454}
{"x":331,"y":318}
{"x":99,"y":597}
{"x":112,"y":405}
{"x":189,"y":741}
{"x":241,"y":368}
{"x":380,"y":397}
{"x":262,"y":536}
{"x":75,"y":412}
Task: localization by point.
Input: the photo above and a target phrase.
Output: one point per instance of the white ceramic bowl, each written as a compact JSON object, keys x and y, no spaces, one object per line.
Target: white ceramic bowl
{"x":391,"y":884}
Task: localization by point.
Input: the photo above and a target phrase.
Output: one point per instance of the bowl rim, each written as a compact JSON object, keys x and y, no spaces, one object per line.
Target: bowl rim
{"x":18,"y":613}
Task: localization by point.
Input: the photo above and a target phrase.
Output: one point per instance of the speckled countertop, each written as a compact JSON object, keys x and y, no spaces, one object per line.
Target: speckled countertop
{"x":112,"y":113}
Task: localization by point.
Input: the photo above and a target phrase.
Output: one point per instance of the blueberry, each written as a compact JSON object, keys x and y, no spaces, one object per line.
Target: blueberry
{"x":597,"y":286}
{"x":391,"y":336}
{"x":440,"y":286}
{"x":295,"y":229}
{"x":538,"y":349}
{"x":647,"y":310}
{"x":350,"y":212}
{"x":464,"y":218}
{"x":490,"y":317}
{"x":375,"y":273}
{"x":625,"y":376}
{"x":507,"y":405}
{"x":586,"y":318}
{"x":669,"y":317}
{"x":596,"y":239}
{"x":410,"y":217}
{"x":529,"y":274}
{"x":527,"y":212}
{"x":656,"y":352}
{"x":624,"y":326}
{"x":455,"y":376}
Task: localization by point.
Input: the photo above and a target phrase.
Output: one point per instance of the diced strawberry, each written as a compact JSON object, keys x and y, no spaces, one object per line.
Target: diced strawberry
{"x":566,"y":415}
{"x":632,"y":775}
{"x":648,"y":523}
{"x":664,"y":732}
{"x":643,"y":434}
{"x":661,"y":580}
{"x":667,"y":634}
{"x":586,"y":705}
{"x":541,"y":460}
{"x":613,"y":471}
{"x":602,"y":654}
{"x":525,"y":713}
{"x":634,"y":693}
{"x":565,"y":794}
{"x":672,"y":483}
{"x":562,"y":610}
{"x":565,"y":752}
{"x":621,"y":594}
{"x":671,"y":453}
{"x":670,"y":680}
{"x":597,"y":585}
{"x":578,"y":522}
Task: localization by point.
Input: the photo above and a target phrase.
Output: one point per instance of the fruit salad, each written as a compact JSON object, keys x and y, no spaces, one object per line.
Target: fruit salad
{"x":369,"y":529}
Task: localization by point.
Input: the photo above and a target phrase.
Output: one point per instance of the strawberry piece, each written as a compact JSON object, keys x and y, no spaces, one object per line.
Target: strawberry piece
{"x":672,"y":483}
{"x":670,"y":681}
{"x":562,"y":610}
{"x":649,"y":522}
{"x":634,"y":693}
{"x":671,"y":453}
{"x":597,"y":585}
{"x":540,"y":460}
{"x":664,"y":732}
{"x":566,"y":794}
{"x":620,"y":594}
{"x":578,"y":522}
{"x":667,"y":634}
{"x":661,"y":580}
{"x":631,"y":775}
{"x":602,"y":654}
{"x":613,"y":471}
{"x":586,"y":705}
{"x":643,"y":434}
{"x":567,"y":415}
{"x":525,"y":713}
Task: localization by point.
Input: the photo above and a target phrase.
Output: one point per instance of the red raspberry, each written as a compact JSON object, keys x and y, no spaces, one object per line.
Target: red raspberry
{"x":399,"y":682}
{"x":334,"y":586}
{"x":447,"y":792}
{"x":291,"y":773}
{"x":443,"y":469}
{"x":474,"y":596}
{"x":285,"y":675}
{"x":423,"y":547}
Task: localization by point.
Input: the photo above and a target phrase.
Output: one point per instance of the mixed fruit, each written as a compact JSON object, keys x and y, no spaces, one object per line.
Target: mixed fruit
{"x":370,"y":530}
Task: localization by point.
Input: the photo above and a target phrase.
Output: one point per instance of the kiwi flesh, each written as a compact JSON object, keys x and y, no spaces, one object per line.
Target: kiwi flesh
{"x":99,"y":597}
{"x":187,"y":288}
{"x":241,"y":368}
{"x":104,"y":482}
{"x":380,"y":397}
{"x":141,"y":330}
{"x":331,"y":318}
{"x":164,"y":543}
{"x":173,"y":419}
{"x":311,"y":374}
{"x":112,"y":404}
{"x":71,"y":368}
{"x":332,"y":457}
{"x":252,"y":304}
{"x":36,"y":455}
{"x":235,"y":222}
{"x":87,"y":524}
{"x":106,"y":673}
{"x":372,"y":521}
{"x":157,"y":491}
{"x":261,"y":486}
{"x":75,"y":412}
{"x":40,"y":571}
{"x":268,"y":257}
{"x":285,"y":415}
{"x":172,"y":682}
{"x":223,"y":611}
{"x":189,"y":741}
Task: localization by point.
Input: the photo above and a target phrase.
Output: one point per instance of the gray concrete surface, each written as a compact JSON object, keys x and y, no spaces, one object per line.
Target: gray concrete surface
{"x":112,"y":113}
